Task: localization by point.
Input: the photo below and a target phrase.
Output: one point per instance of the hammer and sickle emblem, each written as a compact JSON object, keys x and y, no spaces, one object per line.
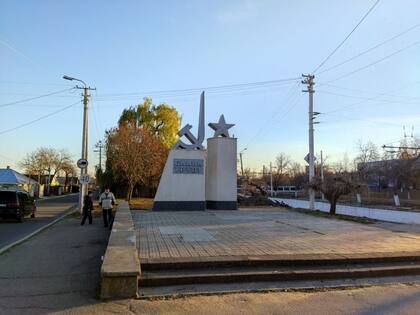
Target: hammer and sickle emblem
{"x":196,"y":143}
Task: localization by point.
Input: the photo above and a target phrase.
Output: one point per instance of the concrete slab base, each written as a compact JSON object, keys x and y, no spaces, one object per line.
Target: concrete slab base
{"x":221,"y":205}
{"x":179,"y":206}
{"x":119,"y":287}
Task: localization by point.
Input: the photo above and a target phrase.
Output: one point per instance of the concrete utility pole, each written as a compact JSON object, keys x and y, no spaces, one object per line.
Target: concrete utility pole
{"x":99,"y":147}
{"x":242,"y":165}
{"x":271,"y":179}
{"x":309,"y":81}
{"x":83,"y":171}
{"x":322,"y":172}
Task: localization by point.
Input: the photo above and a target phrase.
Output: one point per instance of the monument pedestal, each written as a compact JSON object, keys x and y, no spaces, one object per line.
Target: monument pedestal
{"x":182,"y":185}
{"x":221,"y":191}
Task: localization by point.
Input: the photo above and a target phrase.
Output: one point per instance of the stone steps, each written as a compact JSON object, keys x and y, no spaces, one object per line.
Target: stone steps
{"x":276,"y":260}
{"x":170,"y":277}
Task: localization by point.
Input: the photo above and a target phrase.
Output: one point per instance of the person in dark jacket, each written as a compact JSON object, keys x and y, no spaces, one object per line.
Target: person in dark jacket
{"x":87,"y":208}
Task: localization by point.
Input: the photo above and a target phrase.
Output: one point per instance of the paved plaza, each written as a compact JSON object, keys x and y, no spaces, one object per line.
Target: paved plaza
{"x":263,"y":232}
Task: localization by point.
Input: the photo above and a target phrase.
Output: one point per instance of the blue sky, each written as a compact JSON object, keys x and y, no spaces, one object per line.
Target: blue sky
{"x":137,"y":47}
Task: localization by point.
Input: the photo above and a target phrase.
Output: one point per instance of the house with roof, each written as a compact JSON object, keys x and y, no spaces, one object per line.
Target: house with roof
{"x":11,"y":179}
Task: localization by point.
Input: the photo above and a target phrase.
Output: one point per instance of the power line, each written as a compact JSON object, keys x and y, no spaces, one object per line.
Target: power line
{"x":6,"y":158}
{"x":345,"y":39}
{"x":192,"y":96}
{"x":364,"y":101}
{"x":361,"y":119}
{"x":369,"y":98}
{"x":210,"y":89}
{"x":376,"y":92}
{"x":34,"y":98}
{"x":39,"y":118}
{"x":96,"y":129}
{"x":393,"y":141}
{"x":32,"y":83}
{"x":375,"y":62}
{"x":17,"y":51}
{"x":293,"y":96}
{"x":370,"y":49}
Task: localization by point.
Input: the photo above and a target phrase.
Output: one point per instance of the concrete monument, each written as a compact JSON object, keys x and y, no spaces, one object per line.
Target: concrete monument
{"x":182,"y":185}
{"x":221,"y":192}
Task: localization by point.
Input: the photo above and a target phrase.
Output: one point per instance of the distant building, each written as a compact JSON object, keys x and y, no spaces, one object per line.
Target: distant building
{"x":393,"y":173}
{"x":59,"y":184}
{"x":11,"y":179}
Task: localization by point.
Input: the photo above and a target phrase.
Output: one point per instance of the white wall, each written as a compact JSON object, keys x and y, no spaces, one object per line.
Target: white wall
{"x":182,"y":187}
{"x":221,"y":169}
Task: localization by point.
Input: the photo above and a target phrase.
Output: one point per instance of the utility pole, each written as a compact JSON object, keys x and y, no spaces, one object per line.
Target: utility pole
{"x":322,"y":172}
{"x":99,"y":147}
{"x":83,"y":171}
{"x":271,"y":179}
{"x":242,"y":165}
{"x":309,"y":81}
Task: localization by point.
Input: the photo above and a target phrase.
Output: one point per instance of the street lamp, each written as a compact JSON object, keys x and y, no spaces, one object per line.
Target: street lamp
{"x":66,"y":77}
{"x":83,"y":171}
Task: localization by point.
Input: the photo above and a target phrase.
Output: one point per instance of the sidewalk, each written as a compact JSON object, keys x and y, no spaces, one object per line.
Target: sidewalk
{"x":55,"y":270}
{"x":398,"y":216}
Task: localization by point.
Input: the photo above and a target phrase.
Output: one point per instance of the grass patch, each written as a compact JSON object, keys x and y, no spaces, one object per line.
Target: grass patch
{"x":141,"y":203}
{"x":322,"y":214}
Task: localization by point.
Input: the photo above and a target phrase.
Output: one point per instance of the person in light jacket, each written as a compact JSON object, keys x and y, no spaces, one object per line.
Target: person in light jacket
{"x":107,"y":201}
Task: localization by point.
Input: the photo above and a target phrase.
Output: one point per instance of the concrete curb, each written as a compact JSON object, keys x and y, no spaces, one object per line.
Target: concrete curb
{"x":120,"y":269}
{"x":42,"y":228}
{"x":55,"y":197}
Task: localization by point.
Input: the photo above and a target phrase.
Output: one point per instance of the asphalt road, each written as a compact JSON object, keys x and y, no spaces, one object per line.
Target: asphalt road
{"x":47,"y":211}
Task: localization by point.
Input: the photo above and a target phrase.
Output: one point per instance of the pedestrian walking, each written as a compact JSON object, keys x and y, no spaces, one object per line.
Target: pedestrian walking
{"x":107,"y":201}
{"x":87,"y":208}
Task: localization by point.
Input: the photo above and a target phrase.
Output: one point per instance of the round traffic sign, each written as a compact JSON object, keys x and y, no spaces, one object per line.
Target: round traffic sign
{"x":82,"y":163}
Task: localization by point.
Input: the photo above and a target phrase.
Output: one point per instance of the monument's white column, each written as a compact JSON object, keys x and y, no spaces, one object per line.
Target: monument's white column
{"x":182,"y":185}
{"x":221,"y":191}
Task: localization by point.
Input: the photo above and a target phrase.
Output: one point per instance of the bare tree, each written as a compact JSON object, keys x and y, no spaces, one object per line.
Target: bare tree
{"x":46,"y":161}
{"x":33,"y":165}
{"x":68,"y":169}
{"x":295,"y":169}
{"x":367,"y":152}
{"x":283,"y":163}
{"x":333,"y":187}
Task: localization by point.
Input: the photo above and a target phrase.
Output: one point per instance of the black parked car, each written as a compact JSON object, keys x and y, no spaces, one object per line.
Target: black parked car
{"x":16,"y":204}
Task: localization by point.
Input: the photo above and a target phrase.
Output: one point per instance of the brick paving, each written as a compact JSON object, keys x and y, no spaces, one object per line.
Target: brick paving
{"x":260,"y":232}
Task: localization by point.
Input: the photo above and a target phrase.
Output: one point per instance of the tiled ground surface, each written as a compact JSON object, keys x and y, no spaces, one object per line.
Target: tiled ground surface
{"x":255,"y":232}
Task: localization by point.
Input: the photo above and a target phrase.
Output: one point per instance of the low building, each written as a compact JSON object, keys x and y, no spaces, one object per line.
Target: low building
{"x":11,"y":179}
{"x":392,"y":173}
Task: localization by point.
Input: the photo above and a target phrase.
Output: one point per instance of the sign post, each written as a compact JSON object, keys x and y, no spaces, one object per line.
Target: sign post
{"x":84,"y":180}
